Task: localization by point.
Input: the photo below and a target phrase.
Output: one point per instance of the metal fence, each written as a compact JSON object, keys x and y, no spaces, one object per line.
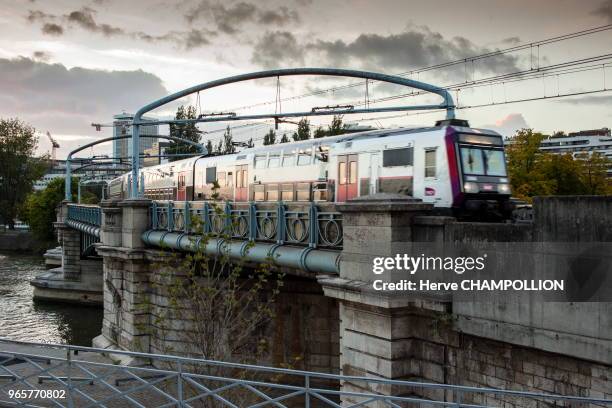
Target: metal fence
{"x":309,"y":224}
{"x":87,"y":219}
{"x":46,"y":375}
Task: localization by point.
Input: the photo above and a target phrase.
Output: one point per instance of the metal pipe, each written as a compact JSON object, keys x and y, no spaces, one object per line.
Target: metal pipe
{"x":137,"y":120}
{"x":304,"y":258}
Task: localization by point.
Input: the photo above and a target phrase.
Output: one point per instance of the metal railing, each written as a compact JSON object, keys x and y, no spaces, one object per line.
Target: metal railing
{"x":87,"y":219}
{"x":87,"y":214}
{"x":304,"y":224}
{"x":34,"y":375}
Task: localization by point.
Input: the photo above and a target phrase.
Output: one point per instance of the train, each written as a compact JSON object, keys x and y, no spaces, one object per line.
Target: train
{"x":459,"y":169}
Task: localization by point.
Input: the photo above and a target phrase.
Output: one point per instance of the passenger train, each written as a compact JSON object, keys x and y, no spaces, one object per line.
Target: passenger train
{"x":452,"y":166}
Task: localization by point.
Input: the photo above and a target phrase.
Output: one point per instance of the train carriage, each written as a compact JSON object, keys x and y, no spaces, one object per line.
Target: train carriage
{"x":452,"y":166}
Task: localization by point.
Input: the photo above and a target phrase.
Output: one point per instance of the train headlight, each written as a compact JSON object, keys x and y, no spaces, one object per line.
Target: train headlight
{"x":503,"y":188}
{"x":470,"y":187}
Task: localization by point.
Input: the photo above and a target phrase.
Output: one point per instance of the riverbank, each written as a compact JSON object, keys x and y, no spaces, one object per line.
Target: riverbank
{"x":22,"y":241}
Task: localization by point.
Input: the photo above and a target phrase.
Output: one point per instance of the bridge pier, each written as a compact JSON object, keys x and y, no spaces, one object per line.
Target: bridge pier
{"x":547,"y":347}
{"x":78,"y":279}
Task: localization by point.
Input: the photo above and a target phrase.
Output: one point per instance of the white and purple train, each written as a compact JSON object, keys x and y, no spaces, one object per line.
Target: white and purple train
{"x":457,"y":168}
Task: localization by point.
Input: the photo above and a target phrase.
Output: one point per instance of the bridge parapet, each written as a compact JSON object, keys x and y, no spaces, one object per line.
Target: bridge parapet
{"x":316,"y":225}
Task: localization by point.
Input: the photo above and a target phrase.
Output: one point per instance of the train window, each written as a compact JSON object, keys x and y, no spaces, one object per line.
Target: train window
{"x":230,"y":179}
{"x":342,"y":173}
{"x":211,"y":175}
{"x":272,"y":192}
{"x":244,"y":178}
{"x":398,"y":157}
{"x":260,"y":162}
{"x":274,"y":161}
{"x":258,"y":192}
{"x":472,"y":161}
{"x":288,"y":160}
{"x":303,"y":191}
{"x":352,"y":172}
{"x":287,"y":192}
{"x":430,"y":162}
{"x":221,"y":179}
{"x":495,"y":163}
{"x":304,"y":157}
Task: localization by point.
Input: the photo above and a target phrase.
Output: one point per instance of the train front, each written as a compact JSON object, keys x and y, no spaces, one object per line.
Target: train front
{"x":481,"y":181}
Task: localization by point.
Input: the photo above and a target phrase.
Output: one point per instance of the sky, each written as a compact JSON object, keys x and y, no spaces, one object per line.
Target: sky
{"x":65,"y":64}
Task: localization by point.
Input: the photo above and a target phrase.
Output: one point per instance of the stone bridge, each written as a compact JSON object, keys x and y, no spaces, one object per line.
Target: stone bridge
{"x":329,"y":319}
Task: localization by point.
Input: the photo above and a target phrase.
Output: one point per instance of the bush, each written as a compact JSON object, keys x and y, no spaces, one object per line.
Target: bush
{"x":39,"y":209}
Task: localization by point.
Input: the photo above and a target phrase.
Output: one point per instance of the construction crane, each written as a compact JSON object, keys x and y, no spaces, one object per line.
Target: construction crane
{"x":54,"y":146}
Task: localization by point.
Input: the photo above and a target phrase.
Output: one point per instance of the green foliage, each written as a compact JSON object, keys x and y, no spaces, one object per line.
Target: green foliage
{"x":303,"y":131}
{"x":39,"y":209}
{"x":209,"y":147}
{"x":335,"y":128}
{"x":536,"y":173}
{"x":18,"y":166}
{"x":284,"y":139}
{"x":269,"y":138}
{"x":187,"y":131}
{"x":226,"y":145}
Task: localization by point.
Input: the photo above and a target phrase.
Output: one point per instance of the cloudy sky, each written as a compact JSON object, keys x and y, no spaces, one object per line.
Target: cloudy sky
{"x":65,"y":63}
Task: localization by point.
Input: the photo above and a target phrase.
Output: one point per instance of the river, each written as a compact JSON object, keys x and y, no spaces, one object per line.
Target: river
{"x":21,"y":318}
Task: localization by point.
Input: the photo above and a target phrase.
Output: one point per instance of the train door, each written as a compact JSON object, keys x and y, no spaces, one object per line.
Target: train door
{"x":347,"y":177}
{"x":181,"y":192}
{"x":242,"y":183}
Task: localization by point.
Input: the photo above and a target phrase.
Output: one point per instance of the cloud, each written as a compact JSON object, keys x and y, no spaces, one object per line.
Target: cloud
{"x":275,"y":49}
{"x":604,"y":10}
{"x":52,"y":29}
{"x":509,"y":124}
{"x":66,"y":101}
{"x":85,"y":18}
{"x":230,"y":20}
{"x":41,"y":56}
{"x":600,"y":100}
{"x":412,"y":48}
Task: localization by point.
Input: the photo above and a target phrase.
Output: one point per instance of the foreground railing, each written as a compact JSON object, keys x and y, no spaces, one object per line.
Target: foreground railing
{"x":88,"y":214}
{"x":34,"y":374}
{"x":309,"y":224}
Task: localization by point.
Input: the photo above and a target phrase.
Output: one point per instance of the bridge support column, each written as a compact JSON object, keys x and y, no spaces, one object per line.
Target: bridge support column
{"x":126,"y":323}
{"x":374,"y":328}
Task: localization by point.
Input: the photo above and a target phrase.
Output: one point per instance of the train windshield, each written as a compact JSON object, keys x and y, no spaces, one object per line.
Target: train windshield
{"x":483,"y":162}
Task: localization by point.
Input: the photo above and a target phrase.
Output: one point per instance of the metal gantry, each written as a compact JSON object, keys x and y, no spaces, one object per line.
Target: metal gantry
{"x":447,"y":103}
{"x":73,"y":376}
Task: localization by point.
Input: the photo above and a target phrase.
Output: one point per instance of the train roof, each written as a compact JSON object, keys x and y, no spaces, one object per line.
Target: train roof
{"x":326,"y":140}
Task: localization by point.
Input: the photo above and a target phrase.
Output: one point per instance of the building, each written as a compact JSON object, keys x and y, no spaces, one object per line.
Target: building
{"x":122,"y":126}
{"x":152,"y":154}
{"x":584,"y":141}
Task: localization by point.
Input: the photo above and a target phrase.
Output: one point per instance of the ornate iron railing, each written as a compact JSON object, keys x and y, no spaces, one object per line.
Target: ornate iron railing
{"x":314,"y":225}
{"x":87,"y":219}
{"x":34,"y":375}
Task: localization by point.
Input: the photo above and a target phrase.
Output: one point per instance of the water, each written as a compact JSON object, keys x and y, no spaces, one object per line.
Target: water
{"x":21,"y":318}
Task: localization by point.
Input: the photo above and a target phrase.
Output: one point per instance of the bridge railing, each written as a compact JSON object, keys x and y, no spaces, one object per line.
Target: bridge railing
{"x":88,"y":214}
{"x":316,"y":225}
{"x":35,"y":374}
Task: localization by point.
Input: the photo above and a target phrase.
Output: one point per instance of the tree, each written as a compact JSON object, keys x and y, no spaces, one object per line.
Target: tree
{"x":534,"y":172}
{"x":250,"y":143}
{"x":39,"y":209}
{"x":228,"y":142}
{"x":18,"y":166}
{"x":336,"y":127}
{"x":209,"y":147}
{"x":224,"y":308}
{"x":284,"y":139}
{"x":303,"y":130}
{"x":269,"y":138}
{"x":319,"y":133}
{"x":593,"y":173}
{"x":187,"y":131}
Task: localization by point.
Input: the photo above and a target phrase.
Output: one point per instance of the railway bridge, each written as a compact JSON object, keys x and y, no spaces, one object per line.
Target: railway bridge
{"x":329,"y":318}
